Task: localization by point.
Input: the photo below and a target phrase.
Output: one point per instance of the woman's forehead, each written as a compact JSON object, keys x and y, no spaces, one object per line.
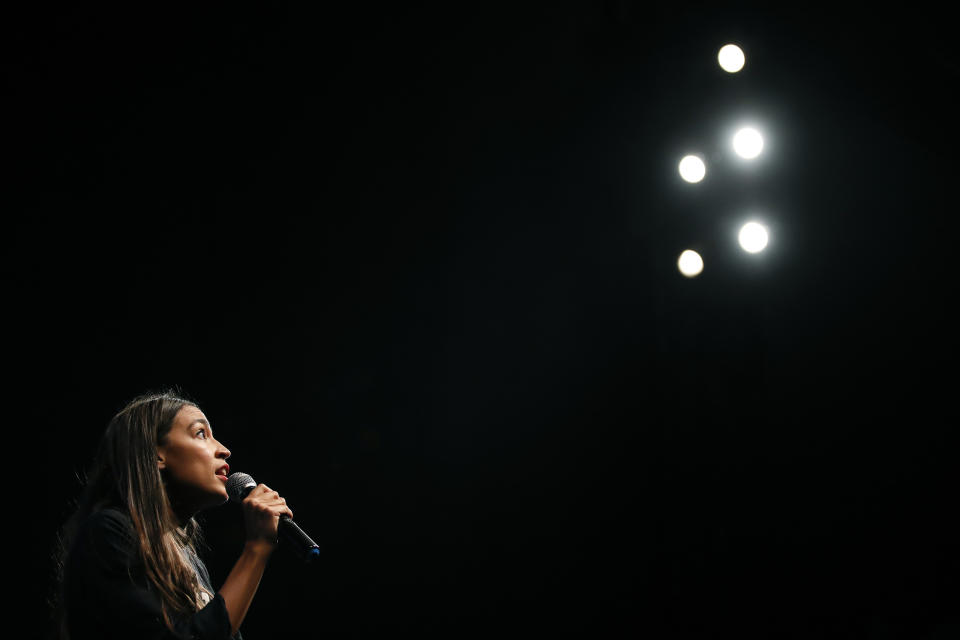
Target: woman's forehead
{"x":189,"y":414}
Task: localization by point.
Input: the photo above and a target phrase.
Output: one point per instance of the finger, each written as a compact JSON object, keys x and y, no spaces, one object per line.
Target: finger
{"x":281,"y":508}
{"x":281,"y":511}
{"x":260,"y":498}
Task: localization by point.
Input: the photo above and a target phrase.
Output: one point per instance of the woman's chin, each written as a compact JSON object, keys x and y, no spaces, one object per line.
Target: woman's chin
{"x":224,"y":496}
{"x":213,"y":499}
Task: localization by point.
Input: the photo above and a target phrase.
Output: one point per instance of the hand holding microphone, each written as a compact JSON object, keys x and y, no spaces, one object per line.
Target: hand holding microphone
{"x":267,"y":516}
{"x":262,"y":508}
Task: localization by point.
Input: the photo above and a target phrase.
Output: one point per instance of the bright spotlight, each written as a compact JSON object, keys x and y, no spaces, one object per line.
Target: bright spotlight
{"x":690,"y":263}
{"x":748,"y":143}
{"x":692,"y":169}
{"x":731,"y":58}
{"x":753,"y":237}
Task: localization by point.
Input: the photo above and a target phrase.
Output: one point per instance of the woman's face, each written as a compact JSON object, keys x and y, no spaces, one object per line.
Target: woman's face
{"x":193,"y":463}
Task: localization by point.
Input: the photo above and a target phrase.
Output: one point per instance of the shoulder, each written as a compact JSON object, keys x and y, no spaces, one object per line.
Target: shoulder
{"x":108,"y":536}
{"x":110,"y":521}
{"x":103,"y":561}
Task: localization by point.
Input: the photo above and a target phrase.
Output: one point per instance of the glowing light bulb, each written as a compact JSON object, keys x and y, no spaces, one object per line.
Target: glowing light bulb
{"x":692,"y":169}
{"x":748,"y":143}
{"x":690,"y":263}
{"x":753,"y":237}
{"x":731,"y":58}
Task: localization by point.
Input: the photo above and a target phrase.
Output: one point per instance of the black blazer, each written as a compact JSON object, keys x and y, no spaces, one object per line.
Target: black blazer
{"x":107,"y":594}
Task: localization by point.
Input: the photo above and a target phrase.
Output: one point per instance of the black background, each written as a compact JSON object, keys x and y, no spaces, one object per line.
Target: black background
{"x":418,"y":267}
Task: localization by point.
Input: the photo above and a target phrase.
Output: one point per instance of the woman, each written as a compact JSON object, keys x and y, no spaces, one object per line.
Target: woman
{"x":127,"y":565}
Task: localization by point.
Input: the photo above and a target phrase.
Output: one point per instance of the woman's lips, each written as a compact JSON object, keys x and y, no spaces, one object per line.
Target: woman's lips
{"x":222,"y":477}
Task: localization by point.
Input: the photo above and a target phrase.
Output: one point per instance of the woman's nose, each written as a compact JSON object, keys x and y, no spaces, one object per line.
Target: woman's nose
{"x":223,"y":451}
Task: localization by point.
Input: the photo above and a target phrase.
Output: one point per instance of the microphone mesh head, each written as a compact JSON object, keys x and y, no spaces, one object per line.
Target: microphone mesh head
{"x":239,"y":485}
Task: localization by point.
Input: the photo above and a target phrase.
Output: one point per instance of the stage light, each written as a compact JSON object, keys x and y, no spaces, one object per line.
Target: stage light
{"x":748,"y":143}
{"x":690,"y":263}
{"x":692,"y":169}
{"x":753,"y":237}
{"x":731,"y":58}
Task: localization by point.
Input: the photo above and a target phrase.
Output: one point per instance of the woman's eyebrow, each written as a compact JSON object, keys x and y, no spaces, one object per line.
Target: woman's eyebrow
{"x":190,"y":426}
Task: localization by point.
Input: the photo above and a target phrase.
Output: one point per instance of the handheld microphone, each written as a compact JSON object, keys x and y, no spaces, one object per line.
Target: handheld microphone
{"x":240,"y":484}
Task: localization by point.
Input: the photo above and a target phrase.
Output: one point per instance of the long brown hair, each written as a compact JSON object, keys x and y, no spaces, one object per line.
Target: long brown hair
{"x":124,"y":475}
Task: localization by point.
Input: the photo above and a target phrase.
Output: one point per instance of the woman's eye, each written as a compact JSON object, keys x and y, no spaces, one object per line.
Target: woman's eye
{"x":203,"y":432}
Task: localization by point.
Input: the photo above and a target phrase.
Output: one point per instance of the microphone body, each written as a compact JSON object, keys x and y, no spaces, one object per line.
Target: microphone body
{"x":240,"y":484}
